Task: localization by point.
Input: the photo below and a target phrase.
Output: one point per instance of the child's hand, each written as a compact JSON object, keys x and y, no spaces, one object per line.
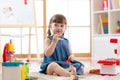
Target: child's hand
{"x":56,"y":38}
{"x":71,"y":57}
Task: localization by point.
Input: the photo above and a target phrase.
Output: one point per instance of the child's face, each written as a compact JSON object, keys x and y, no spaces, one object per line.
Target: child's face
{"x":58,"y":28}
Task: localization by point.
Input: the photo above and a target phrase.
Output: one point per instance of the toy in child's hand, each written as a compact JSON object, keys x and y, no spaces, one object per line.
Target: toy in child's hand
{"x":73,"y":77}
{"x":68,"y":60}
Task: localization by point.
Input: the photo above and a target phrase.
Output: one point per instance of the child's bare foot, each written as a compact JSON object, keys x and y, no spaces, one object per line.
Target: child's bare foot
{"x":55,"y":74}
{"x":73,"y":72}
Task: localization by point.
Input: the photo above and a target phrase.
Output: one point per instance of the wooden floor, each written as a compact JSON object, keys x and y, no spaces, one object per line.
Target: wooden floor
{"x":35,"y":64}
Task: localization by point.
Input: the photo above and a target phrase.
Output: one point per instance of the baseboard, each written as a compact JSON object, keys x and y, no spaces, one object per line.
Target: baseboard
{"x":41,"y":55}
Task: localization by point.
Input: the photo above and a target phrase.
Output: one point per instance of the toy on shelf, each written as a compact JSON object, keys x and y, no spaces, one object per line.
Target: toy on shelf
{"x":8,"y":51}
{"x":118,"y":26}
{"x":105,"y":4}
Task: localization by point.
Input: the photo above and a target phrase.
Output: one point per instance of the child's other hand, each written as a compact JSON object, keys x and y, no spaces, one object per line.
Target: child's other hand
{"x":56,"y":38}
{"x":71,"y":57}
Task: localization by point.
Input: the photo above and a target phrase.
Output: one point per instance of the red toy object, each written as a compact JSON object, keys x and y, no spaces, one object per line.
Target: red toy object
{"x":108,"y":62}
{"x":115,"y":51}
{"x":6,"y":56}
{"x":68,"y":60}
{"x":27,"y":60}
{"x":113,"y":40}
{"x":104,"y":4}
{"x":25,"y":2}
{"x":94,"y":71}
{"x":8,"y":51}
{"x":109,"y":67}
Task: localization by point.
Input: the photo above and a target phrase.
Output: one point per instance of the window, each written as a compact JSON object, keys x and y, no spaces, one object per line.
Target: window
{"x":77,"y":13}
{"x":20,"y":36}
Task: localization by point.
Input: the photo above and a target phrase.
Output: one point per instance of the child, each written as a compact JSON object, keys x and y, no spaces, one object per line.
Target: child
{"x":58,"y":56}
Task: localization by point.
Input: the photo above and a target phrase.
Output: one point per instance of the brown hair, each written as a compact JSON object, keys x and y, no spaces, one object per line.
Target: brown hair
{"x":57,"y":18}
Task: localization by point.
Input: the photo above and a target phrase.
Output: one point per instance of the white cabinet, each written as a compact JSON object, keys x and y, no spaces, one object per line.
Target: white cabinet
{"x":103,"y":48}
{"x":105,"y":26}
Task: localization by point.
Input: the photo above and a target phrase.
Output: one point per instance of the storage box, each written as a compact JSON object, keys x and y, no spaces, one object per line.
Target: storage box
{"x":13,"y":71}
{"x":109,"y":67}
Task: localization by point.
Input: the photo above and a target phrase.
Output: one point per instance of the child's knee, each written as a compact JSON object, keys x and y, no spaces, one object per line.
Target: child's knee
{"x":53,"y":65}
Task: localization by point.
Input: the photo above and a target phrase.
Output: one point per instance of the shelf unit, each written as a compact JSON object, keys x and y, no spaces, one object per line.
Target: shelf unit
{"x":101,"y":47}
{"x":113,"y":16}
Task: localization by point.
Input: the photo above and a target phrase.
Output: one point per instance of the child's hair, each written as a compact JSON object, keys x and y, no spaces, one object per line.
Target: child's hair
{"x":57,"y":18}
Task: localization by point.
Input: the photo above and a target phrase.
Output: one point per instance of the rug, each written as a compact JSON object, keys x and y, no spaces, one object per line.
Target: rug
{"x":38,"y":76}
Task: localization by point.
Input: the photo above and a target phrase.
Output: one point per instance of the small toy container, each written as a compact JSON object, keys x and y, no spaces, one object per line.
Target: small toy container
{"x":13,"y":71}
{"x":109,"y":67}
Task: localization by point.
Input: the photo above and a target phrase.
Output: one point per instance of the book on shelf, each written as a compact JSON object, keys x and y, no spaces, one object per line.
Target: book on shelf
{"x":103,"y":25}
{"x":114,"y":4}
{"x":105,"y":4}
{"x":98,"y":28}
{"x":117,"y":4}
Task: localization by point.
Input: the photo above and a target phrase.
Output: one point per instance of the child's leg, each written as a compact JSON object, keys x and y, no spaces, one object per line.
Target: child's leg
{"x":73,"y":73}
{"x":73,"y":70}
{"x":55,"y":68}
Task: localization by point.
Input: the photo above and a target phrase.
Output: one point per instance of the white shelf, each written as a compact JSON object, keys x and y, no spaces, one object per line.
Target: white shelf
{"x":101,"y":47}
{"x":113,"y":10}
{"x":97,"y":12}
